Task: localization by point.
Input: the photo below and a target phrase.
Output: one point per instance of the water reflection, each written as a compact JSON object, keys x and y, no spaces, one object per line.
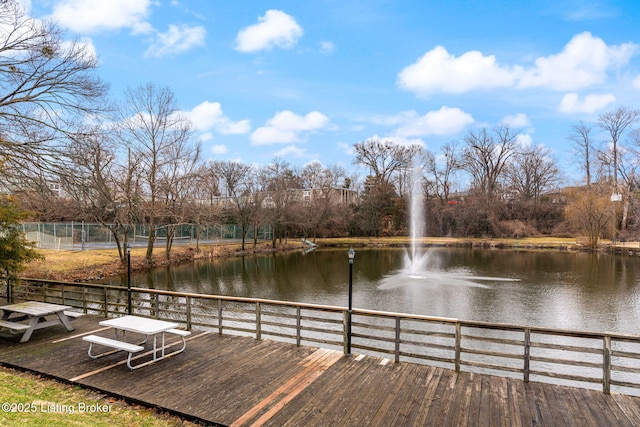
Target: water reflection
{"x":556,"y":289}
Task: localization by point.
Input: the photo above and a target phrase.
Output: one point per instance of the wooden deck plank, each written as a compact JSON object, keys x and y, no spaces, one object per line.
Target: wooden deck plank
{"x":429,"y":388}
{"x":366,"y":397}
{"x":627,"y":406}
{"x":499,"y":408}
{"x":307,"y":410}
{"x":458,"y":413}
{"x":474,"y":396}
{"x":220,"y":378}
{"x":406,"y":411}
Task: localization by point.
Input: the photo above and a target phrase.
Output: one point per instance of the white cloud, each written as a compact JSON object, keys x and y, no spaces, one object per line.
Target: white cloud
{"x":588,"y":11}
{"x":206,"y":136}
{"x":445,"y":121}
{"x":286,"y":127}
{"x":524,"y":140}
{"x":275,"y":29}
{"x":292,"y":151}
{"x":571,"y":103}
{"x":208,"y":115}
{"x":176,"y":40}
{"x":88,"y":16}
{"x":327,"y":47}
{"x":219,"y":149}
{"x":346,"y":148}
{"x":519,"y":120}
{"x":636,"y":82}
{"x":440,"y":71}
{"x":584,"y":61}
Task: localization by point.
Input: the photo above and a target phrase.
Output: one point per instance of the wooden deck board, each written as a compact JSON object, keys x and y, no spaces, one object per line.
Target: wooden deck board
{"x":225,"y":379}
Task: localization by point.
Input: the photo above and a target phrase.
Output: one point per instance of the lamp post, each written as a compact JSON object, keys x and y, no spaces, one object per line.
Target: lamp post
{"x":129,"y":308}
{"x":351,"y":254}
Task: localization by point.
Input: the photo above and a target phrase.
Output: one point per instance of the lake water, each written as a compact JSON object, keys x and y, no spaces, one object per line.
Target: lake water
{"x":571,"y":290}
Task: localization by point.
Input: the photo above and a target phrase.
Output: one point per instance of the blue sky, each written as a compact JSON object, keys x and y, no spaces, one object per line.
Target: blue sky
{"x":305,"y":80}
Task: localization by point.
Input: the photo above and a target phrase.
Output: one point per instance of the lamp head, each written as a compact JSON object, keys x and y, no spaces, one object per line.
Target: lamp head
{"x":351,"y":254}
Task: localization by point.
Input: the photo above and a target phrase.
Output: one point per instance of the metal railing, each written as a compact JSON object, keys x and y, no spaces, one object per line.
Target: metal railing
{"x":606,"y":361}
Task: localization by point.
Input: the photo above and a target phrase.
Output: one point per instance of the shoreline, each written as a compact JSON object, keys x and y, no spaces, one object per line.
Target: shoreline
{"x":96,"y":264}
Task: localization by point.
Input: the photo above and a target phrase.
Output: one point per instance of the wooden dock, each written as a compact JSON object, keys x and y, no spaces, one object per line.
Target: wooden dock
{"x":241,"y":381}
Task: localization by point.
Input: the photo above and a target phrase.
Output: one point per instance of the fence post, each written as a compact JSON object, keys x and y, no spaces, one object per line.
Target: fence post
{"x":258,"y":321}
{"x":458,"y":346}
{"x":298,"y":326}
{"x":106,"y":304}
{"x":188,"y":313}
{"x":220,"y":316}
{"x":606,"y":365}
{"x":397,"y":352}
{"x":157,"y":307}
{"x":527,"y":354}
{"x":345,"y":321}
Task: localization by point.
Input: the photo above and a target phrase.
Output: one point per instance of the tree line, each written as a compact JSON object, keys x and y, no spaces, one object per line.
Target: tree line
{"x":68,"y":153}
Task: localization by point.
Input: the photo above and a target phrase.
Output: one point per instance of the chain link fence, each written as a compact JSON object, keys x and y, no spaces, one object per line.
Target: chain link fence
{"x":81,"y":235}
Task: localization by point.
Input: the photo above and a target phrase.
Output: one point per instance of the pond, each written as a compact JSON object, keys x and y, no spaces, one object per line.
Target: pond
{"x":569,"y":290}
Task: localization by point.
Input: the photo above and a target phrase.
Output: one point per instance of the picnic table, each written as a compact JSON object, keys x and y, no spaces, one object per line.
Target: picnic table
{"x":141,"y":325}
{"x":13,"y":316}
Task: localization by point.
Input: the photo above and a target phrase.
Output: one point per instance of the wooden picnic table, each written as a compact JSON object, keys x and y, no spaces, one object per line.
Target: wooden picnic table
{"x":36,"y":312}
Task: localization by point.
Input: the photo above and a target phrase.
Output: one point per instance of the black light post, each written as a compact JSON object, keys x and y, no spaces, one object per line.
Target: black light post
{"x":351,"y":254}
{"x":129,"y":308}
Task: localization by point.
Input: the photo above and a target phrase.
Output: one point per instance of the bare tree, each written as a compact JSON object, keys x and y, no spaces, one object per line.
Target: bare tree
{"x":91,"y":184}
{"x":279,"y":179}
{"x":615,"y":123}
{"x":384,"y":158}
{"x":584,"y":149}
{"x":532,"y":171}
{"x":238,"y":182}
{"x":441,"y":171}
{"x":175,"y":182}
{"x":152,"y":127}
{"x":486,"y":156}
{"x":321,"y":198}
{"x":48,"y":90}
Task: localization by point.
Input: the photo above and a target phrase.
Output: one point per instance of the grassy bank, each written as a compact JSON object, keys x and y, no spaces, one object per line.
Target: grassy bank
{"x":28,"y":400}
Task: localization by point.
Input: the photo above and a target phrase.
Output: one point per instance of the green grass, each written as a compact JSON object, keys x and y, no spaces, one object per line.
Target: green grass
{"x":27,"y":400}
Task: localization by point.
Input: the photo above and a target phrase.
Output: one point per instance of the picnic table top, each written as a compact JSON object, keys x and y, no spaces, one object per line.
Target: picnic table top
{"x":139,"y":324}
{"x":34,"y":308}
